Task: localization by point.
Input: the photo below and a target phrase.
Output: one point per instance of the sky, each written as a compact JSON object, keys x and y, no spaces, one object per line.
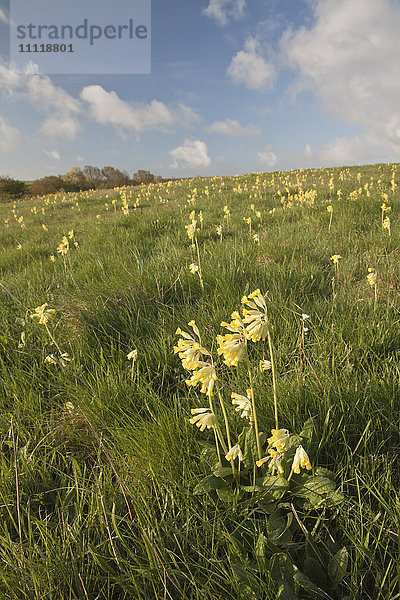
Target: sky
{"x":235,"y":86}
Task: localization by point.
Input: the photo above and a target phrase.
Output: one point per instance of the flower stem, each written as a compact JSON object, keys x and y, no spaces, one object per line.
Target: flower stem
{"x":198,"y":260}
{"x":228,"y":435}
{"x":217,"y":429}
{"x":52,"y":338}
{"x":273,"y":377}
{"x":217,"y":446}
{"x":254,"y":410}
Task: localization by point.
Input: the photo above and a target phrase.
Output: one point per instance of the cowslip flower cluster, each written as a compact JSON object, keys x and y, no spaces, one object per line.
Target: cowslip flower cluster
{"x":203,"y":418}
{"x":191,"y":228}
{"x":243,"y":405}
{"x":232,"y":346}
{"x":43,"y":313}
{"x":371,"y":277}
{"x":278,"y":446}
{"x":191,"y":352}
{"x":63,"y":247}
{"x":255,"y":316}
{"x":335,"y":258}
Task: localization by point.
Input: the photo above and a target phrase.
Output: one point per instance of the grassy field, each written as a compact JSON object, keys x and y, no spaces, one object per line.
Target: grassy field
{"x":99,"y":462}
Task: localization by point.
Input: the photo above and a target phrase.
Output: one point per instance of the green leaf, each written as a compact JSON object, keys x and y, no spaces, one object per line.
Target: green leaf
{"x":208,"y":455}
{"x":225,"y":494}
{"x":208,"y":484}
{"x":273,"y":486}
{"x":248,"y":579}
{"x":280,"y":567}
{"x":286,"y":592}
{"x":222,"y":472}
{"x":337,"y":567}
{"x":314,"y":489}
{"x":314,"y":571}
{"x":309,"y":435}
{"x":248,"y":443}
{"x":278,"y":525}
{"x":303,"y":581}
{"x":260,"y":549}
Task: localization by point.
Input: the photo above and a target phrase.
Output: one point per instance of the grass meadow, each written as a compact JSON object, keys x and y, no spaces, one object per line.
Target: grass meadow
{"x":99,"y":461}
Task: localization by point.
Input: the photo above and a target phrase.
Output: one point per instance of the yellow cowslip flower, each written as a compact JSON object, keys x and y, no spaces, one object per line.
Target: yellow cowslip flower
{"x":248,"y":220}
{"x":279,"y":439}
{"x":132,"y":355}
{"x":335,"y":258}
{"x":191,"y":229}
{"x":233,"y":345}
{"x":258,"y":214}
{"x":71,"y":234}
{"x":193,"y":268}
{"x":52,"y":258}
{"x":301,"y":461}
{"x":63,"y":247}
{"x":329,"y":208}
{"x":44,"y":227}
{"x":218,"y":229}
{"x":189,"y":351}
{"x":265,"y":365}
{"x":371,"y":277}
{"x":386,"y":223}
{"x":205,"y":375}
{"x":256,"y":238}
{"x":255,"y":319}
{"x":64,"y":359}
{"x":50,"y":358}
{"x":43,"y":313}
{"x":234,"y":452}
{"x":274,"y":458}
{"x":243,"y":404}
{"x":203,"y":418}
{"x":19,"y":246}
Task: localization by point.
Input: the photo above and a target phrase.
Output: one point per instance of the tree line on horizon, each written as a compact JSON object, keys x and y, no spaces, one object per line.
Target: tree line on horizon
{"x":75,"y":180}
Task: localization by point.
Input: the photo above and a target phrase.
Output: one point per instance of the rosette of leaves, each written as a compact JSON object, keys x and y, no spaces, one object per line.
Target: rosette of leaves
{"x":282,"y":521}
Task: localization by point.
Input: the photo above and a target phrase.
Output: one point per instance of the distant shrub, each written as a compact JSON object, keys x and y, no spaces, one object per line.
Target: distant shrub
{"x":10,"y":189}
{"x":114,"y":177}
{"x":51,"y":185}
{"x":142,"y":176}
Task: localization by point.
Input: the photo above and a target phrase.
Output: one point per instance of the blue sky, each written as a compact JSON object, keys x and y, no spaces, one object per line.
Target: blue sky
{"x":236,"y":86}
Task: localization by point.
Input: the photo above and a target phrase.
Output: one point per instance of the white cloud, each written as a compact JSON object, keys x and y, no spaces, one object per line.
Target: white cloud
{"x":349,"y":58}
{"x":4,"y":16}
{"x":63,"y":126}
{"x":249,"y":67}
{"x":233,"y":128}
{"x":268,"y":158}
{"x":344,"y":151}
{"x":52,"y":154}
{"x":222,"y":10}
{"x":193,"y":153}
{"x":9,"y":137}
{"x":62,"y":108}
{"x":107,"y":107}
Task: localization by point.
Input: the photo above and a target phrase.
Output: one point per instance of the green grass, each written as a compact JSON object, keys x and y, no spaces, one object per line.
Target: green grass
{"x":96,"y":498}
